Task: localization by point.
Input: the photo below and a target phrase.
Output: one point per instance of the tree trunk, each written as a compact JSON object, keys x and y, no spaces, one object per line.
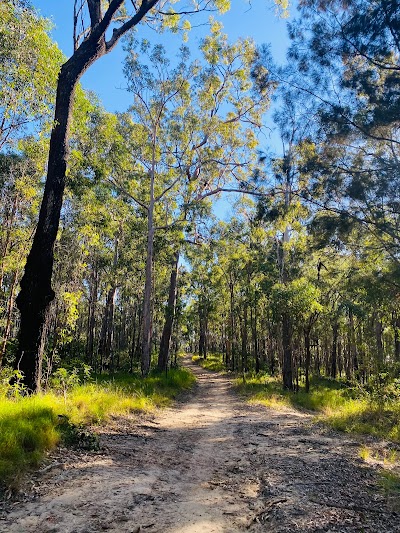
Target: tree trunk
{"x":379,"y":342}
{"x":169,"y":317}
{"x":36,"y":291}
{"x":333,"y":365}
{"x":254,"y":334}
{"x":287,"y":363}
{"x":92,"y":315}
{"x":396,"y":328}
{"x":244,"y":340}
{"x":148,"y":285}
{"x":307,"y":343}
{"x":203,"y":332}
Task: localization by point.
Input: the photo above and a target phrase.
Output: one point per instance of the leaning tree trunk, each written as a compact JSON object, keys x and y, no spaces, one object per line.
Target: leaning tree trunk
{"x":36,"y":291}
{"x":163,"y":354}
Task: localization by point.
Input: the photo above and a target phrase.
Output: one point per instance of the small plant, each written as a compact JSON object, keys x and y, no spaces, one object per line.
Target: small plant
{"x":77,"y":435}
{"x":11,"y":385}
{"x":64,"y":380}
{"x":365,"y":453}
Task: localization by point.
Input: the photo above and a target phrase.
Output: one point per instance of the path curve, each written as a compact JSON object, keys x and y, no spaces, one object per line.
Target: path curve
{"x":209,"y":464}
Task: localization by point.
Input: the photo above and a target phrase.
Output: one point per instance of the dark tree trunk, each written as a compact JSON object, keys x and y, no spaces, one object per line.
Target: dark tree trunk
{"x":287,"y":363}
{"x":36,"y":291}
{"x":307,"y":344}
{"x":203,"y":333}
{"x":333,"y":365}
{"x":163,"y":354}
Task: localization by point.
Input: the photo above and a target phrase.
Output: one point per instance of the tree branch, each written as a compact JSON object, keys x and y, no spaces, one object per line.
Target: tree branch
{"x":144,"y":8}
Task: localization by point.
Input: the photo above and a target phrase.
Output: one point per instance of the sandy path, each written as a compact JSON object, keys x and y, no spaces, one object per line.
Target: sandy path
{"x":210,"y":464}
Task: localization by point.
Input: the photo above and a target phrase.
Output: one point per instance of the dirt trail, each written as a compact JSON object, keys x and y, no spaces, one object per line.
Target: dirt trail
{"x":210,"y":464}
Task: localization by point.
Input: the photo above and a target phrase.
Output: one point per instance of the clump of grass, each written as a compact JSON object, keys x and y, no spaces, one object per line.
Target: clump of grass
{"x":336,"y":404}
{"x":31,"y":425}
{"x":213,"y":362}
{"x":390,"y":483}
{"x":360,"y":416}
{"x":27,"y":428}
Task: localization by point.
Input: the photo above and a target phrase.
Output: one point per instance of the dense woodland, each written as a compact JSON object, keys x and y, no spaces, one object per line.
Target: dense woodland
{"x":302,"y":281}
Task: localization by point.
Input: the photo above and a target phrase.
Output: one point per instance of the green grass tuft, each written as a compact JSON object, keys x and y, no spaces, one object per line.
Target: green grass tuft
{"x":31,"y":425}
{"x":213,"y":362}
{"x":334,"y":403}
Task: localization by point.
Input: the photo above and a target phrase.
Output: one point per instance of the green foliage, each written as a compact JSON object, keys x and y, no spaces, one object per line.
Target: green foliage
{"x":31,"y":425}
{"x":29,"y":65}
{"x":28,"y":427}
{"x":10,"y":382}
{"x":299,"y":298}
{"x":213,"y":362}
{"x":341,"y":406}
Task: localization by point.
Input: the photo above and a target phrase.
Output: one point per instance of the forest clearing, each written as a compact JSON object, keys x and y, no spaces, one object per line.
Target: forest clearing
{"x":212,"y":463}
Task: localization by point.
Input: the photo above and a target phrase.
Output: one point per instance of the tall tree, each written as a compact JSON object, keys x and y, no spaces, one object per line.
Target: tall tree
{"x":197,"y":124}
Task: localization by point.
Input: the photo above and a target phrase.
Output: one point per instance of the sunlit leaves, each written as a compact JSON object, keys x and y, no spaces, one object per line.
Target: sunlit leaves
{"x":29,"y":64}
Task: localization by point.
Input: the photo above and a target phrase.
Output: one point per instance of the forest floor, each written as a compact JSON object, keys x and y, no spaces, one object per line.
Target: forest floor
{"x":212,"y":463}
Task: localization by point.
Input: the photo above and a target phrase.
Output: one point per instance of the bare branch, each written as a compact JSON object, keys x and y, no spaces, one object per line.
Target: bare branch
{"x":144,"y":8}
{"x":124,"y":191}
{"x":158,"y":198}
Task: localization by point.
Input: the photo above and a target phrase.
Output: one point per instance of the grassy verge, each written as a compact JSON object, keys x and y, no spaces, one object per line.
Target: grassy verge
{"x":213,"y":362}
{"x":335,"y":404}
{"x":31,"y":425}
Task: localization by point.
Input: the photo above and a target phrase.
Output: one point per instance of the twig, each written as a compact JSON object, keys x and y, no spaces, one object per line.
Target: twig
{"x":265,"y":510}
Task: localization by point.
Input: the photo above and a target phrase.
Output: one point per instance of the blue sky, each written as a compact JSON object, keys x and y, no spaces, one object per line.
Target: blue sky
{"x":257,"y":19}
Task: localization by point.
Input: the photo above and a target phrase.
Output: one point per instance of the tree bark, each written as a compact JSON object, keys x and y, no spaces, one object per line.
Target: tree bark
{"x":307,"y":331}
{"x":92,"y":315}
{"x":396,"y":329}
{"x":147,"y":321}
{"x":287,"y":363}
{"x":379,"y":342}
{"x":333,"y":365}
{"x":169,"y":317}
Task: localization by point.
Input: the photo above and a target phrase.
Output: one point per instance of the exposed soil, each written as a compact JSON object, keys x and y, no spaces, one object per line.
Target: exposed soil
{"x":210,"y":464}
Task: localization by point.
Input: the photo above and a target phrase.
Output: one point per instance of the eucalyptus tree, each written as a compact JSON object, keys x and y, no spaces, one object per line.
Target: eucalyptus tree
{"x":193,"y":132}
